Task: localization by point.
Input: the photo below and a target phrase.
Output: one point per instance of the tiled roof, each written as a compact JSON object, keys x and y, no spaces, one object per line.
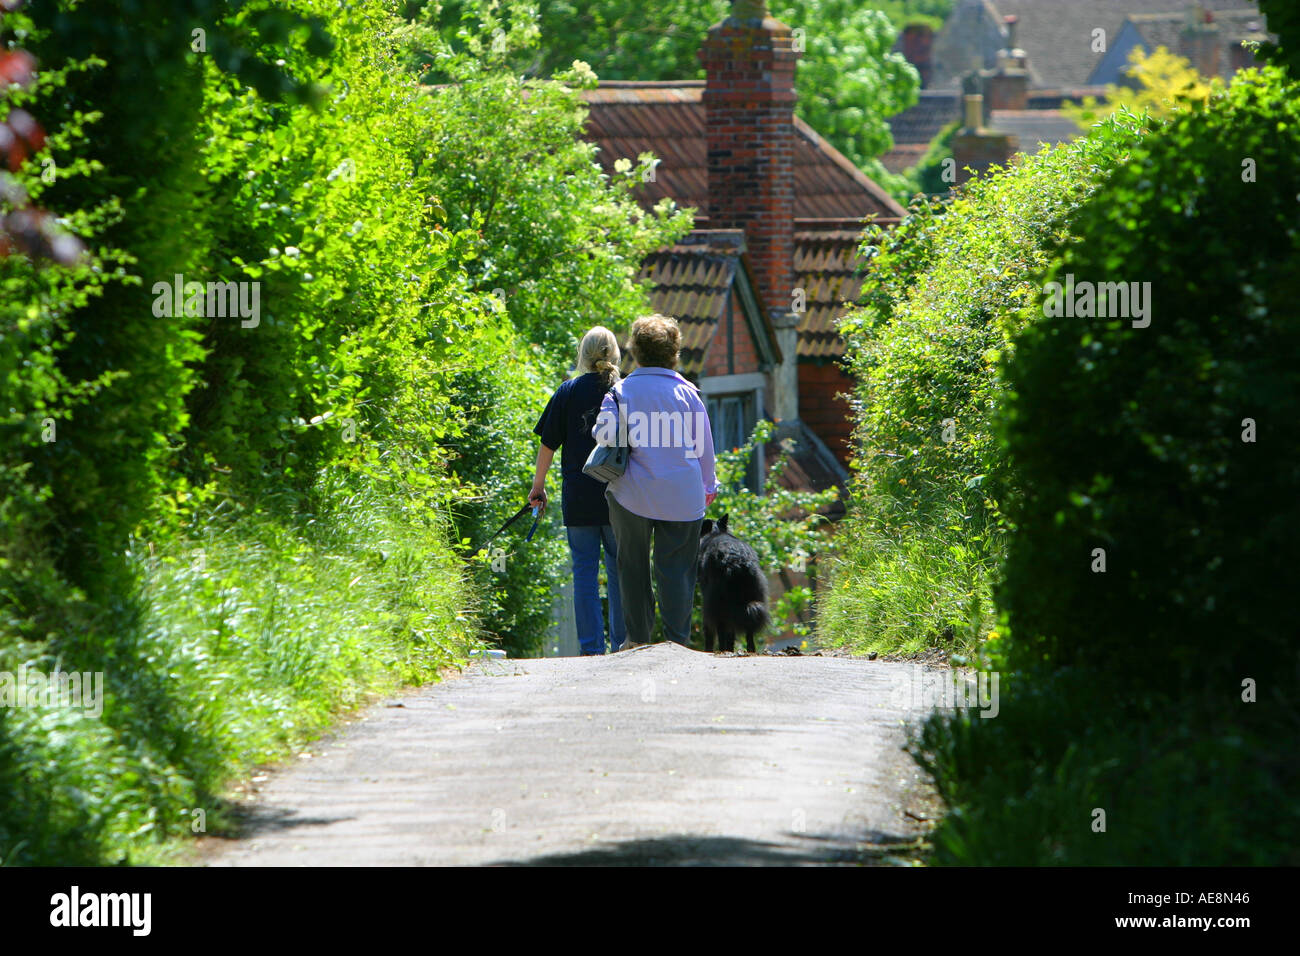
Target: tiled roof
{"x":1166,"y":29}
{"x":1046,"y":99}
{"x":1035,"y":127}
{"x":691,"y":281}
{"x":934,"y":110}
{"x":826,"y":264}
{"x":902,"y":158}
{"x":1057,"y":35}
{"x":667,"y":118}
{"x":916,"y":126}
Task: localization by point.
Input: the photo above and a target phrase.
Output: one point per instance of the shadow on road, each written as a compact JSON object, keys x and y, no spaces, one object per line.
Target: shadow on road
{"x":873,"y":849}
{"x":242,"y":822}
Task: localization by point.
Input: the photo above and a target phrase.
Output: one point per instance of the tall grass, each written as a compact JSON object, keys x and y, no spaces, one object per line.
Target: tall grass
{"x":245,"y":638}
{"x":908,"y":583}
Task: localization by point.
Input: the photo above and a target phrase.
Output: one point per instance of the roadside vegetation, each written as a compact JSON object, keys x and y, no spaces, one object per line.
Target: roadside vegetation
{"x":252,"y":522}
{"x":1092,"y":505}
{"x":947,"y":292}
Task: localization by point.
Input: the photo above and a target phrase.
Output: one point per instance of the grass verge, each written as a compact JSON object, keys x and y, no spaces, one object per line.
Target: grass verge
{"x":911,"y":586}
{"x":246,"y":638}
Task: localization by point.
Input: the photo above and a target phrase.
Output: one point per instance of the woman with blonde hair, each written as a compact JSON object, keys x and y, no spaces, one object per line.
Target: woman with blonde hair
{"x":669,"y":481}
{"x":566,"y":424}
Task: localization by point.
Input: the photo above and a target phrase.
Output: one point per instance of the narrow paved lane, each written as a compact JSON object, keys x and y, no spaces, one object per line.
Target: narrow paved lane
{"x":657,"y":755}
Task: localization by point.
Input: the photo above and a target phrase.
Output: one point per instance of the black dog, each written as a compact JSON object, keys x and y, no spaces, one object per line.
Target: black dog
{"x":733,"y":587}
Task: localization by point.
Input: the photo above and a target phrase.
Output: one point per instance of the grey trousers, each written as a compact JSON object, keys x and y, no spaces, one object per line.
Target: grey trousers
{"x":676,"y":548}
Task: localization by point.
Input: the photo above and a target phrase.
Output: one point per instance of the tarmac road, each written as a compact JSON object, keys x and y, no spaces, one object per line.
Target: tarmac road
{"x":658,"y":755}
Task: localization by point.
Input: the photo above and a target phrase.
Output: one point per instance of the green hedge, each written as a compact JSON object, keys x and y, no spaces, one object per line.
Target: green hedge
{"x":1156,"y":690}
{"x":1130,"y":439}
{"x":236,"y":565}
{"x":946,"y":291}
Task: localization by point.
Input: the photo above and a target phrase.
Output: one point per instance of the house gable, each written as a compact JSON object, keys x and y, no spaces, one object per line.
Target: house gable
{"x":705,"y":282}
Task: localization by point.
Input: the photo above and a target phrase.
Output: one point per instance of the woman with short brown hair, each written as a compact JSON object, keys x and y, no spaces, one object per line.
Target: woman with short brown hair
{"x":669,"y":481}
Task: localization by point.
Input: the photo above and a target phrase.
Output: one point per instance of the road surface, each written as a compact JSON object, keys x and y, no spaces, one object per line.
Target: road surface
{"x":658,"y":755}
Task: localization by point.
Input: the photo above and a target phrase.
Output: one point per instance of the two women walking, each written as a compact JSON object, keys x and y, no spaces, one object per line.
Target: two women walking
{"x":659,"y":500}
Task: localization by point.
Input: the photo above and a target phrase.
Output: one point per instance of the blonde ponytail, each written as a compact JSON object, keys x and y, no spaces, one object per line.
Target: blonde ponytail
{"x":598,"y":352}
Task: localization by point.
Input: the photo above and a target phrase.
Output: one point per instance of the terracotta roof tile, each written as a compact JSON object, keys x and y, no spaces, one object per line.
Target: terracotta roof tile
{"x":667,"y":119}
{"x":827,"y":265}
{"x":691,"y":281}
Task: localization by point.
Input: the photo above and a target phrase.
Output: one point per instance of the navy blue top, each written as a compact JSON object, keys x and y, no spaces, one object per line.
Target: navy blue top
{"x":566,"y":424}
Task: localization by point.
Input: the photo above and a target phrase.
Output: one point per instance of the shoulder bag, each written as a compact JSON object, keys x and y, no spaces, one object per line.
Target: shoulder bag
{"x":607,"y":462}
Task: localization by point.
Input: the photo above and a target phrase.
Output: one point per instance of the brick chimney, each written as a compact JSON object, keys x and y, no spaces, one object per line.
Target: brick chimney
{"x":915,"y":43}
{"x":1007,"y":86}
{"x":977,"y":146}
{"x":1200,"y":41}
{"x":749,"y":62}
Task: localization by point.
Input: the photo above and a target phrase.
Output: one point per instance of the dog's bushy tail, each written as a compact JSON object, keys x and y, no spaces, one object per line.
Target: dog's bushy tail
{"x":755,"y":616}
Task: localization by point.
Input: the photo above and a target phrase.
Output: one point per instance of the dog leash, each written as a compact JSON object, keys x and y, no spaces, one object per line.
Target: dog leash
{"x":511,"y":520}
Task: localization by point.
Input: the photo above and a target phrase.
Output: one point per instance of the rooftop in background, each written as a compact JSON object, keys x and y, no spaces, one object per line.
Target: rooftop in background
{"x":692,"y":281}
{"x":1222,"y":57}
{"x":667,"y":119}
{"x":1165,"y":29}
{"x":1057,"y":35}
{"x":1033,"y":128}
{"x":916,"y":126}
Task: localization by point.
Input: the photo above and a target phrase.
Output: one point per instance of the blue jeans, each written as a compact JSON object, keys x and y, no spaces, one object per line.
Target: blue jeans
{"x":584,"y":550}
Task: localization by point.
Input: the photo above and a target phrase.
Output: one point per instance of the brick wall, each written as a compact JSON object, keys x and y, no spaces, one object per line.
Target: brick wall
{"x":744,"y":353}
{"x":828,"y":416}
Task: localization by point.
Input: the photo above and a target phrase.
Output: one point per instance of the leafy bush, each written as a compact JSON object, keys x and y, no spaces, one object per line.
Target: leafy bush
{"x":110,"y":469}
{"x":495,"y":458}
{"x":787,"y":528}
{"x":366,"y":311}
{"x":1133,"y":689}
{"x":1135,"y":439}
{"x":1022,"y":788}
{"x":562,"y":243}
{"x":1162,"y":82}
{"x":946,"y":291}
{"x":237,"y":569}
{"x":39,"y":394}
